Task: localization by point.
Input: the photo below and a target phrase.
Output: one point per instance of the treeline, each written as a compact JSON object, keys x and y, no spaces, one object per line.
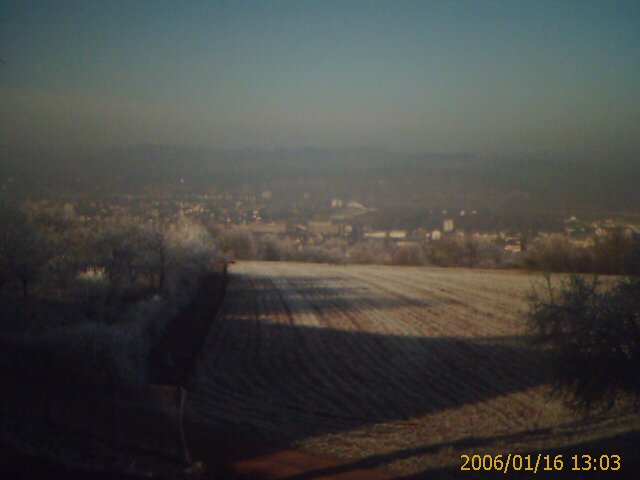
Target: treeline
{"x":472,"y":252}
{"x":617,"y":252}
{"x":102,"y":293}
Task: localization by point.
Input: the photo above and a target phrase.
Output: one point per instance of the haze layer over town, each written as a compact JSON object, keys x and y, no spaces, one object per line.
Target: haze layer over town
{"x":298,"y":239}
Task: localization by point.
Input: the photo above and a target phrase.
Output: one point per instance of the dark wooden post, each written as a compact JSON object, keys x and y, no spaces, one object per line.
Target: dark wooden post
{"x":182,"y":397}
{"x":47,"y":392}
{"x":113,"y":410}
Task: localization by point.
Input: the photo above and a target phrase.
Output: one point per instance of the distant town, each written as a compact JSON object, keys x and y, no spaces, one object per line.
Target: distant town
{"x":305,"y":225}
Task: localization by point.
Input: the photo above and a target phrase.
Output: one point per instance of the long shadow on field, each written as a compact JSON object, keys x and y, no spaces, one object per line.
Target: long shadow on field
{"x":308,"y":293}
{"x":269,"y":375}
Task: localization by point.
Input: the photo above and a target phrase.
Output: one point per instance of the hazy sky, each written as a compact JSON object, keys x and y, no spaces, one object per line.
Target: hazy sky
{"x":480,"y":76}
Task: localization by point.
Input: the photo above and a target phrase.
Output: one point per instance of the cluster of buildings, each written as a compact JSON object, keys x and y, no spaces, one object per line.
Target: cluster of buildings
{"x":219,"y":209}
{"x":349,"y":221}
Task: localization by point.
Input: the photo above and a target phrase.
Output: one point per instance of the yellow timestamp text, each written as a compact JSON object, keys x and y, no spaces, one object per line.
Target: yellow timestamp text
{"x":540,"y":462}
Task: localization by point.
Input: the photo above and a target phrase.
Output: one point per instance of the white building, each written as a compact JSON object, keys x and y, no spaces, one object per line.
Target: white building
{"x":447,"y":225}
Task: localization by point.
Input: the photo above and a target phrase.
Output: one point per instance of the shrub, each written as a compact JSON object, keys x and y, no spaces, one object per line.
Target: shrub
{"x":23,"y":249}
{"x":593,"y":338}
{"x":618,"y":252}
{"x":320,"y":254}
{"x":91,"y":289}
{"x":448,"y":252}
{"x":491,"y":255}
{"x":271,"y":248}
{"x":409,"y":255}
{"x":369,"y":252}
{"x":557,"y":253}
{"x":239,"y":242}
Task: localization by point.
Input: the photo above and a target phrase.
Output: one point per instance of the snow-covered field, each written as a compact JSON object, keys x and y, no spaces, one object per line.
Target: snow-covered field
{"x":407,"y":368}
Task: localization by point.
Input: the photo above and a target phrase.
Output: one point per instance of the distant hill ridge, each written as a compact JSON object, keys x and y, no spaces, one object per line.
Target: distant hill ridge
{"x":375,"y":175}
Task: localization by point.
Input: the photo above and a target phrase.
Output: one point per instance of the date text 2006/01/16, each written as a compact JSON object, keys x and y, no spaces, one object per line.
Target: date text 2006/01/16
{"x":545,"y":463}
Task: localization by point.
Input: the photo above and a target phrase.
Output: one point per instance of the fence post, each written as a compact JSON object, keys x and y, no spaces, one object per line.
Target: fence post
{"x":47,"y":394}
{"x":113,"y":410}
{"x":182,"y":392}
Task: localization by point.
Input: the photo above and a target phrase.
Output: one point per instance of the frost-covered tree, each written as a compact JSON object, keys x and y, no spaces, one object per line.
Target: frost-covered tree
{"x":190,"y":253}
{"x":239,"y":242}
{"x":116,"y":250}
{"x":23,"y":249}
{"x":155,"y":255}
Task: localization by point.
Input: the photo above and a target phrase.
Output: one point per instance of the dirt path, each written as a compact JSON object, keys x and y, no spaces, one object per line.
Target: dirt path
{"x":224,"y":454}
{"x":172,"y":360}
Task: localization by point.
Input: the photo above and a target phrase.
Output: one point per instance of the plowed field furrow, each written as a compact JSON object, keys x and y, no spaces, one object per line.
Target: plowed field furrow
{"x":329,"y":351}
{"x":440,"y":297}
{"x":404,"y":287}
{"x":496,"y":287}
{"x":438,"y":300}
{"x":366,"y":375}
{"x":401,"y":369}
{"x":359,"y":361}
{"x":479,"y":321}
{"x":457,"y":329}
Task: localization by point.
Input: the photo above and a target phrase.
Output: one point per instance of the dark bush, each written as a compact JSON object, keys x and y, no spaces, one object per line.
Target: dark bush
{"x":592,"y":335}
{"x":368,"y":253}
{"x":409,"y":255}
{"x":556,"y":253}
{"x":24,"y":250}
{"x":618,"y":253}
{"x":239,"y":242}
